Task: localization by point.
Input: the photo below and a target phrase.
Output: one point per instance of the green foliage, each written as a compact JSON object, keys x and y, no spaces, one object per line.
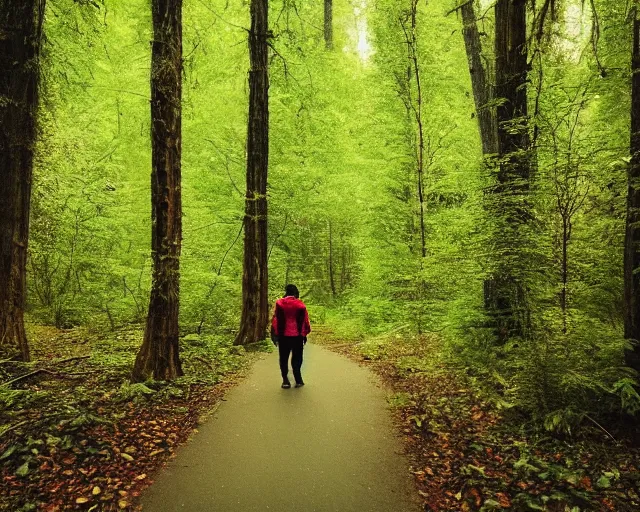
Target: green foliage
{"x":10,"y":398}
{"x":90,"y":417}
{"x":626,"y":389}
{"x":132,"y":392}
{"x":531,"y":467}
{"x":344,"y":219}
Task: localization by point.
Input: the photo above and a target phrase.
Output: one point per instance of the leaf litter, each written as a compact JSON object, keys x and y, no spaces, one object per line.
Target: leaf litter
{"x":92,"y":443}
{"x":468,"y":454}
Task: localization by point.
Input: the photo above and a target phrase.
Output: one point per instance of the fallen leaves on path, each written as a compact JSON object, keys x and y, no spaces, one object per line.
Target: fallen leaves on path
{"x":469,"y":456}
{"x":92,"y":447}
{"x":104,"y":465}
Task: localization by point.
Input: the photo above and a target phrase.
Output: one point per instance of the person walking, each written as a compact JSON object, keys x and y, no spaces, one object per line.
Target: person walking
{"x":289,"y":329}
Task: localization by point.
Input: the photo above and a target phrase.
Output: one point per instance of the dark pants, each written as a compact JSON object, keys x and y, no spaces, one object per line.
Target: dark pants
{"x":291,"y":345}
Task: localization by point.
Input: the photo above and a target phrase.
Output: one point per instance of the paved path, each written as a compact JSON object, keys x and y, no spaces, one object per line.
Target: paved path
{"x":326,"y":447}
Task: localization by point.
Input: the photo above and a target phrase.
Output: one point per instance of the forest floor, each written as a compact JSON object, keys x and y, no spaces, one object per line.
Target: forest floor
{"x":75,"y":435}
{"x":468,"y":455}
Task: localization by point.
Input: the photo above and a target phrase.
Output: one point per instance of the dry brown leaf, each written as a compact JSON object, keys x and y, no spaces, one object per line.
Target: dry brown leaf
{"x":477,"y":496}
{"x":503,"y":499}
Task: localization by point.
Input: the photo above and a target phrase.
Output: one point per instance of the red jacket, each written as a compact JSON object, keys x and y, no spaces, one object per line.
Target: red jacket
{"x":290,"y":317}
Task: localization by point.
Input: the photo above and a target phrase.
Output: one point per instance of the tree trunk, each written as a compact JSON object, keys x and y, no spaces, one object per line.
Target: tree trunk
{"x":480,"y":83}
{"x":418,"y":111}
{"x":332,"y":281}
{"x":511,"y":89}
{"x":483,"y":95}
{"x":20,"y":41}
{"x":158,"y":357}
{"x":506,"y":294}
{"x":414,"y":107}
{"x":255,"y":305}
{"x":632,"y":238}
{"x":566,"y":234}
{"x":328,"y":24}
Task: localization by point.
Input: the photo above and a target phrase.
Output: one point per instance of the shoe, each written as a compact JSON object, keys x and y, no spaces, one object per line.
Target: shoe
{"x":299,"y":384}
{"x":286,"y":385}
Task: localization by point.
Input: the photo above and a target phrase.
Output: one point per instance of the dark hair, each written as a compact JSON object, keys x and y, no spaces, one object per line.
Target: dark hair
{"x":291,"y":289}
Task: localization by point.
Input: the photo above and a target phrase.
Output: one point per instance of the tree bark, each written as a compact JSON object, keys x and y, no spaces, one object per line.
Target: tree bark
{"x":505,"y":295}
{"x":564,"y":272}
{"x":632,"y":238}
{"x":414,"y":107}
{"x":480,"y":82}
{"x":511,"y":89}
{"x":158,"y":357}
{"x":255,"y":305}
{"x":20,"y":41}
{"x":332,"y":281}
{"x":328,"y":24}
{"x":419,"y":123}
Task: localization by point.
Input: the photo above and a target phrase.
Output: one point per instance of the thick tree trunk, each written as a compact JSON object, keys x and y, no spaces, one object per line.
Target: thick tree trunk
{"x":20,"y":40}
{"x":255,"y":305}
{"x":505,"y":295}
{"x":328,"y":24}
{"x":632,"y":239}
{"x":511,"y":89}
{"x":483,"y":95}
{"x":480,"y":83}
{"x":158,"y":357}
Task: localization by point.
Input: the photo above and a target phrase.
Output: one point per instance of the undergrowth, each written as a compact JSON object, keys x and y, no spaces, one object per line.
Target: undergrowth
{"x":80,"y":435}
{"x":474,"y":447}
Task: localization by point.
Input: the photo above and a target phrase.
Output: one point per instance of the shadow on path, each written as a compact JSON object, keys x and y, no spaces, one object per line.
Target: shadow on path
{"x":326,"y":447}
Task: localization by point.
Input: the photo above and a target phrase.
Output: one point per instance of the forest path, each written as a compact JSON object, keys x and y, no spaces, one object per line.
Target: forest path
{"x":328,"y":446}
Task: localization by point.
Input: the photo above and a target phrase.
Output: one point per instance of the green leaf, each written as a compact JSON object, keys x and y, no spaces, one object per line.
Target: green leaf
{"x":490,"y":505}
{"x":603,"y":482}
{"x":67,"y":442}
{"x":470,"y":468}
{"x":53,"y":440}
{"x":572,"y":477}
{"x":34,"y":442}
{"x":523,"y":463}
{"x":23,"y":470}
{"x":9,"y":451}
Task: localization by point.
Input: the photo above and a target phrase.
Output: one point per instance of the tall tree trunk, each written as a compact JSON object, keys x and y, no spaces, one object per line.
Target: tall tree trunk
{"x":255,"y":305}
{"x":632,"y":239}
{"x":564,"y":272}
{"x":506,"y":295}
{"x":480,"y":81}
{"x":511,"y":89}
{"x":328,"y":24}
{"x":414,"y":107}
{"x":419,"y":123}
{"x":332,"y":280}
{"x":483,"y":95}
{"x":159,"y":355}
{"x":20,"y":41}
